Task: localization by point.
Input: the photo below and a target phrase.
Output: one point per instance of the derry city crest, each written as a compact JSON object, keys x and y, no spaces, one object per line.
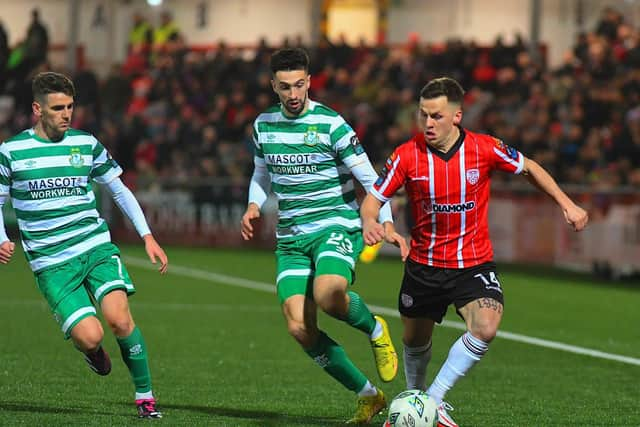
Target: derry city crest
{"x":75,"y":159}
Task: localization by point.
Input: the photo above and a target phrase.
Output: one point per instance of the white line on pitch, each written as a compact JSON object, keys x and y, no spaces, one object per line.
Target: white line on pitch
{"x":266,"y":287}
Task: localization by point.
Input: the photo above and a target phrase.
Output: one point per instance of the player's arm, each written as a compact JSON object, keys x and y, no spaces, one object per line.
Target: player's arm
{"x":259,"y":188}
{"x":6,"y":246}
{"x":128,"y":204}
{"x":538,"y":176}
{"x":377,"y":223}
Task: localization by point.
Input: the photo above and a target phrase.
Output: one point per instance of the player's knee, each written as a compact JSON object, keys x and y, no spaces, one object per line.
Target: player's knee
{"x":485,"y":331}
{"x":121,"y":327}
{"x":89,"y":339}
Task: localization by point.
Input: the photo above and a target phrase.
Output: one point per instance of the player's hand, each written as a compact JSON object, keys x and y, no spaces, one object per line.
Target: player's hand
{"x":246,"y":228}
{"x":395,"y":238}
{"x":6,"y":251}
{"x":372,"y":232}
{"x":155,"y":252}
{"x":577,"y":217}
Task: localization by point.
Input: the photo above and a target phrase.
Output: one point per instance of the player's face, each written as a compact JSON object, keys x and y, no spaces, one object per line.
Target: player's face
{"x":292,"y":88}
{"x":54,"y":114}
{"x":437,"y":118}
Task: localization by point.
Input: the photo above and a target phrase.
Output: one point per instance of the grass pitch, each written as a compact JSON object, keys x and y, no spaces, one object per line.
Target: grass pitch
{"x":220,"y":354}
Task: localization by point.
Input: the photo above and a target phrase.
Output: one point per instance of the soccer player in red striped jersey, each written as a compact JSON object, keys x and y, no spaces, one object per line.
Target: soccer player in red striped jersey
{"x":446,"y":172}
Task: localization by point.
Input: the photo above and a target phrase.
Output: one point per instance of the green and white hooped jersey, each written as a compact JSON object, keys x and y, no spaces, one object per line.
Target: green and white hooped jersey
{"x":50,"y":188}
{"x":309,"y":160}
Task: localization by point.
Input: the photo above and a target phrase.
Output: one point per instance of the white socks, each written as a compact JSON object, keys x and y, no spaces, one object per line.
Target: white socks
{"x":416,"y":360}
{"x":377,"y":331}
{"x":464,"y":353}
{"x":368,"y":390}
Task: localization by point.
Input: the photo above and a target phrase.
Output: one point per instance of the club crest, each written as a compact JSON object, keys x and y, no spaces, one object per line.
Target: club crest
{"x":311,"y":137}
{"x":75,"y":159}
{"x":473,"y":175}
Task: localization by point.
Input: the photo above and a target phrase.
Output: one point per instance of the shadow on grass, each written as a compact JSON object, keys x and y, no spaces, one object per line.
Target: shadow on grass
{"x":266,"y":418}
{"x":42,"y":409}
{"x":45,"y":409}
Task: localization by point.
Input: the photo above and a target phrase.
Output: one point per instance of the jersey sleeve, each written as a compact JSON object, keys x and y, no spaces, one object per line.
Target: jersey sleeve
{"x":391,"y":178}
{"x":256,"y":143}
{"x":505,"y":158}
{"x":104,"y":168}
{"x":347,"y":145}
{"x":5,"y":171}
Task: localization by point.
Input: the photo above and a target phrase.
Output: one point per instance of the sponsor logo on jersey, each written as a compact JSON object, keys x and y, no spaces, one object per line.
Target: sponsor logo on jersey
{"x":311,"y":137}
{"x":75,"y":159}
{"x":357,"y":147}
{"x":55,"y":193}
{"x":49,"y":188}
{"x":41,"y":184}
{"x":291,"y":164}
{"x":511,"y":152}
{"x":473,"y":175}
{"x":385,"y":170}
{"x":452,"y":207}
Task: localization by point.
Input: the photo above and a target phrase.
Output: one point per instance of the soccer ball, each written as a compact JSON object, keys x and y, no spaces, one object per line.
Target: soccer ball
{"x":412,"y":408}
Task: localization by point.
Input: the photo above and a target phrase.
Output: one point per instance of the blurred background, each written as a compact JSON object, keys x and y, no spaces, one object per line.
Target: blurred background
{"x":172,"y":87}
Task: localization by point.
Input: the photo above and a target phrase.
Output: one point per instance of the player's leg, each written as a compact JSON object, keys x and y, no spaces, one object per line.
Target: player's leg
{"x":416,"y":338}
{"x":295,"y":292}
{"x":335,"y":258}
{"x":421,"y":302}
{"x":87,"y":337}
{"x":479,"y":301}
{"x":73,"y":309}
{"x":111,"y":285}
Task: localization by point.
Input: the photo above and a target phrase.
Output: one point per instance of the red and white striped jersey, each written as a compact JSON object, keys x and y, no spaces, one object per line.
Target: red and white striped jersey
{"x":449,"y":195}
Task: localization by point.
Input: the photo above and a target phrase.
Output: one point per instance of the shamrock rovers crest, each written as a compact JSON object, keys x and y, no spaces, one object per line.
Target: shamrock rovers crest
{"x":75,"y":159}
{"x":311,"y":136}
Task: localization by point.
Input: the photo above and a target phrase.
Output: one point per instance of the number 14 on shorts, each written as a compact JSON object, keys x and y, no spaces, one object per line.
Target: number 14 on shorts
{"x":491,"y":282}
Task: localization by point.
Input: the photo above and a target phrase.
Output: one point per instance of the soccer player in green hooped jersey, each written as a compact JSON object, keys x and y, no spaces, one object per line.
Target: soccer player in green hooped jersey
{"x":307,"y":155}
{"x":47,"y":171}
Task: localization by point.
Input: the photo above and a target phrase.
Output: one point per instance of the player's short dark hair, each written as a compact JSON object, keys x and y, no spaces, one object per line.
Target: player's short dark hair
{"x":289,"y":59}
{"x":443,"y":86}
{"x":49,"y":82}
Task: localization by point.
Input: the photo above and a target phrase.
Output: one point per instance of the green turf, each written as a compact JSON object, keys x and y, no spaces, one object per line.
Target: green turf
{"x":220,"y":355}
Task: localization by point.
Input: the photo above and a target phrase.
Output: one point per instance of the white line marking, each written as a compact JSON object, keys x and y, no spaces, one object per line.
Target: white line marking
{"x":265,"y":287}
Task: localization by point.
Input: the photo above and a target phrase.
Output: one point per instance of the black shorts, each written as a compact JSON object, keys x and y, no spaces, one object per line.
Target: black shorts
{"x":428,"y":291}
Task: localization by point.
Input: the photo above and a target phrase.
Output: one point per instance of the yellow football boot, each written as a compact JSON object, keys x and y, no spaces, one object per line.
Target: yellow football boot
{"x":385,"y":353}
{"x":368,"y":407}
{"x":370,"y":253}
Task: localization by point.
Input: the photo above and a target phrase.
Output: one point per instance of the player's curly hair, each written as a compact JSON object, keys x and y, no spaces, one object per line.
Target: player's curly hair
{"x":48,"y":82}
{"x":289,"y":59}
{"x":443,"y":86}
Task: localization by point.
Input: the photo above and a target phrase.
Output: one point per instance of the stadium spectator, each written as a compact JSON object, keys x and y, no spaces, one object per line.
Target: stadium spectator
{"x":36,"y":42}
{"x":80,"y":265}
{"x":141,"y":34}
{"x":317,"y":249}
{"x":446,"y":171}
{"x":166,"y":33}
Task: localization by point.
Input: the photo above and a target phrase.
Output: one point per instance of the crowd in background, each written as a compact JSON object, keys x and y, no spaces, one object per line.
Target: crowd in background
{"x":183,"y":114}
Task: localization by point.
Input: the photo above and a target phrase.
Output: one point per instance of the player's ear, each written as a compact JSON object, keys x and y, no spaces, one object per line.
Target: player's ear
{"x":457,"y":116}
{"x":37,"y":108}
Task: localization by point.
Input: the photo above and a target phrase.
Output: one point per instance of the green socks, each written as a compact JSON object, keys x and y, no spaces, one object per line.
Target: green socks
{"x":333,"y":359}
{"x":134,"y":354}
{"x":359,"y":315}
